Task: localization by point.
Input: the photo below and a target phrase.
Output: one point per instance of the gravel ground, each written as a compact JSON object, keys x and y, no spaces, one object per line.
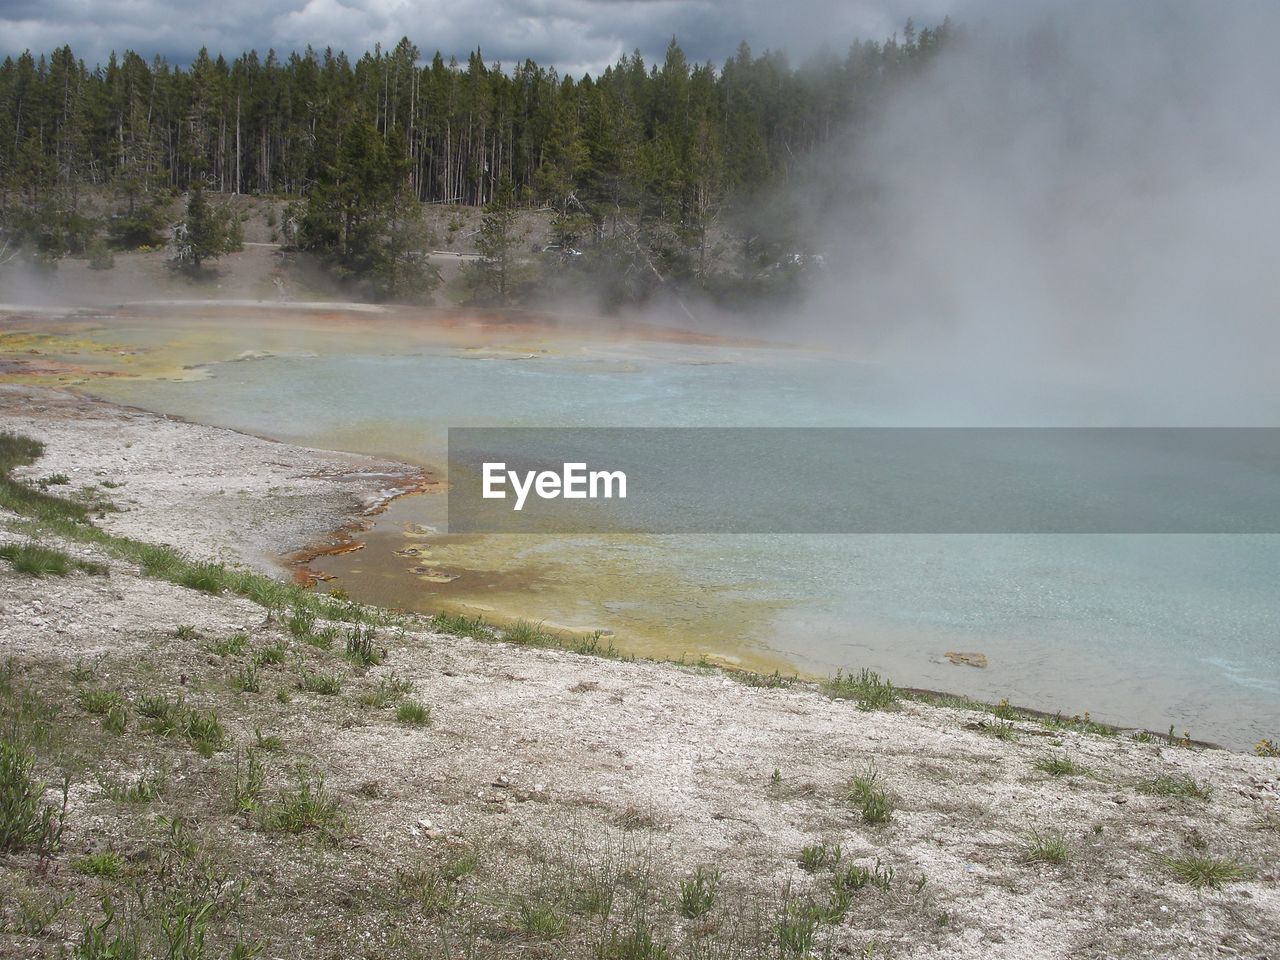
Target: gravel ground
{"x":550,"y":765}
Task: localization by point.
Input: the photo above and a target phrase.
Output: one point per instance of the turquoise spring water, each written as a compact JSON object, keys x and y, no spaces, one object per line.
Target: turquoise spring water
{"x":1142,"y":630}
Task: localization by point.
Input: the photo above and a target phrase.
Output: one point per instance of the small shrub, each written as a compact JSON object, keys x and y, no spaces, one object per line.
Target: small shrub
{"x":246,"y":679}
{"x":698,"y":893}
{"x":1204,"y":871}
{"x":184,"y":631}
{"x":273,"y":655}
{"x":143,"y":790}
{"x":816,"y":857}
{"x":876,"y":806}
{"x":99,"y":702}
{"x":460,"y":626}
{"x":106,"y":863}
{"x":1267,"y":747}
{"x":1047,"y":847}
{"x":24,"y":820}
{"x":309,"y":807}
{"x":327,"y":684}
{"x":250,"y":776}
{"x":414,"y":714}
{"x":388,"y":691}
{"x":361,"y":649}
{"x":116,"y":719}
{"x":869,"y":690}
{"x":233,"y":646}
{"x":798,"y":930}
{"x":302,"y":622}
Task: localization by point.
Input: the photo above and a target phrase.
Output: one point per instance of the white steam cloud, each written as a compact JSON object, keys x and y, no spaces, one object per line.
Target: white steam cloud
{"x":1086,"y":195}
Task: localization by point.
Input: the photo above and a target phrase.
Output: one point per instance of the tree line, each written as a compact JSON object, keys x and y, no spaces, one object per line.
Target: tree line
{"x":653,"y":155}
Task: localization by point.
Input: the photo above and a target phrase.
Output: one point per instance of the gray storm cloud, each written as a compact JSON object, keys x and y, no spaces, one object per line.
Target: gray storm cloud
{"x":573,"y":35}
{"x":1086,"y":195}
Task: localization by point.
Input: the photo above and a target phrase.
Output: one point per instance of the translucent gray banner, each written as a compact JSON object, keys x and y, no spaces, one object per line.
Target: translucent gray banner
{"x":875,"y":480}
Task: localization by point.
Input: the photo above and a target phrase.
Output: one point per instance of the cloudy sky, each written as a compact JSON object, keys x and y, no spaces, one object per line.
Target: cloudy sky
{"x":574,"y":35}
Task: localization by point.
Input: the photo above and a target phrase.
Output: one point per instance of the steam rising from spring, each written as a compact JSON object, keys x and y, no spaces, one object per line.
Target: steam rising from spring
{"x":1087,"y":195}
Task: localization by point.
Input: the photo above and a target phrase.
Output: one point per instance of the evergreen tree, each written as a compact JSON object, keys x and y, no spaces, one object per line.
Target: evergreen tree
{"x":492,"y":274}
{"x":205,"y":233}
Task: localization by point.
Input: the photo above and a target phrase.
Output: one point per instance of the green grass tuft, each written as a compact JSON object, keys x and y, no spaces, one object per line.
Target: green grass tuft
{"x":1174,"y":785}
{"x":876,"y":807}
{"x":867,"y":688}
{"x":414,"y":714}
{"x":1060,"y":765}
{"x":38,"y":560}
{"x":1046,"y":847}
{"x":1199,"y":870}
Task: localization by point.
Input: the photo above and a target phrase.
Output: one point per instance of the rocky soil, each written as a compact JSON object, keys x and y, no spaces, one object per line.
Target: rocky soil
{"x":556,"y":801}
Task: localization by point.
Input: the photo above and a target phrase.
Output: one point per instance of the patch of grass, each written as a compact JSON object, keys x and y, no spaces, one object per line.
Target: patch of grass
{"x":593,"y":646}
{"x":637,"y":944}
{"x":414,"y":714}
{"x":105,"y":863}
{"x":1001,"y":730}
{"x":817,"y":856}
{"x":143,"y":790}
{"x":539,"y":918}
{"x":698,"y":893}
{"x":797,"y":929}
{"x":25,"y":820}
{"x":249,"y":777}
{"x":362,"y":650}
{"x":327,"y":684}
{"x":390,"y":690}
{"x":267,"y":743}
{"x":1046,"y":847}
{"x":38,"y":560}
{"x":1200,"y":870}
{"x":272,"y":655}
{"x":168,"y":718}
{"x":322,"y":639}
{"x":116,"y":719}
{"x":184,"y":631}
{"x":301,"y":622}
{"x":99,"y":702}
{"x":1060,"y":765}
{"x":203,"y":576}
{"x":19,"y":451}
{"x":768,"y":681}
{"x":1174,"y":785}
{"x":526,"y":633}
{"x":855,"y":877}
{"x":865,"y":791}
{"x":54,"y":480}
{"x":868,"y":689}
{"x":246,"y":679}
{"x":464,"y":864}
{"x":308,"y":807}
{"x":460,"y":626}
{"x":233,"y":646}
{"x":203,"y":731}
